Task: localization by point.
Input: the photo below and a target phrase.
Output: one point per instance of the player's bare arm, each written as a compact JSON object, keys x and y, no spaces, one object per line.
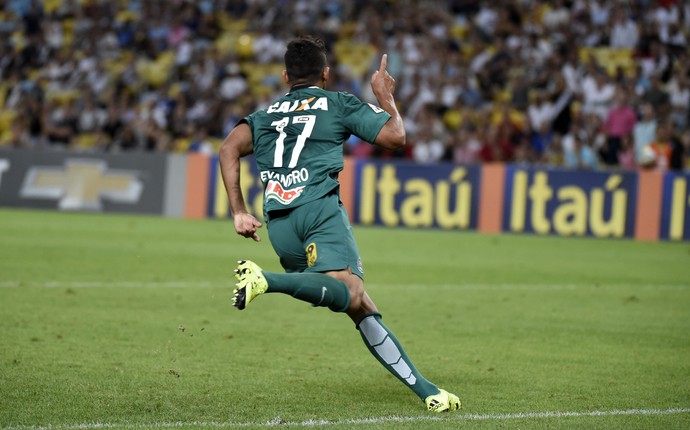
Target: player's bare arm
{"x":392,"y":135}
{"x":236,"y":145}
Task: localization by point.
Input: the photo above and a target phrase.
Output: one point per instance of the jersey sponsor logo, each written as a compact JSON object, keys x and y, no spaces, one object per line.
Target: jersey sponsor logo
{"x":299,"y":105}
{"x":275,"y":191}
{"x":311,"y":254}
{"x":375,"y":108}
{"x":294,"y":177}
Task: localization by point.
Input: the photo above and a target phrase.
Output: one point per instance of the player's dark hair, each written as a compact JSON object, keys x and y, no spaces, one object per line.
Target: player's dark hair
{"x":305,"y":59}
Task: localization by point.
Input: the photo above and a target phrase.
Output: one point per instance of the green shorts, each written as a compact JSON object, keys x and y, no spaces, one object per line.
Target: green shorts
{"x":315,"y":237}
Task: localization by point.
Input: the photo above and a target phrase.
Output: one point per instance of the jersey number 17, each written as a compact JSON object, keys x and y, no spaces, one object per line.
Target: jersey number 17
{"x":308,"y":121}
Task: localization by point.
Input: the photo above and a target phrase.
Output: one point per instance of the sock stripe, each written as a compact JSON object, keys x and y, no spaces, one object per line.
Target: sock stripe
{"x":386,"y":349}
{"x":374,"y":333}
{"x":403,"y":369}
{"x":383,"y":345}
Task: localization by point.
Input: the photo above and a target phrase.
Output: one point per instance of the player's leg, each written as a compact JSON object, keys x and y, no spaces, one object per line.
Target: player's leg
{"x":351,"y":298}
{"x":294,"y":236}
{"x":319,"y":289}
{"x":386,"y":347}
{"x":335,"y":279}
{"x":379,"y":339}
{"x":315,"y":288}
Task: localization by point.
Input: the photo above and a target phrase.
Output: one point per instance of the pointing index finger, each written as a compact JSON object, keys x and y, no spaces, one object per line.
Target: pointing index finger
{"x":384,"y":63}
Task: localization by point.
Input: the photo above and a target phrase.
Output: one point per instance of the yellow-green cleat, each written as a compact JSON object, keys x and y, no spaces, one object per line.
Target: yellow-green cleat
{"x":443,"y":402}
{"x":251,"y":283}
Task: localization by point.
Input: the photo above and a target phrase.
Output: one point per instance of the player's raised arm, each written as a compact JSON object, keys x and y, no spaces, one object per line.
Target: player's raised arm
{"x":392,"y":135}
{"x":237,"y":144}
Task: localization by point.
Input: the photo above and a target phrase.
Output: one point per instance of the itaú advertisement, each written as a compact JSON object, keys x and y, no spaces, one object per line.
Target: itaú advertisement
{"x":497,"y":198}
{"x":411,"y":195}
{"x":570,"y":203}
{"x":390,"y":194}
{"x":675,"y":207}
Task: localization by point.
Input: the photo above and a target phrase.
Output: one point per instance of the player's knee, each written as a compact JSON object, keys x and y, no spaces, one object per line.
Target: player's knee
{"x":356,"y":294}
{"x":354,"y":285}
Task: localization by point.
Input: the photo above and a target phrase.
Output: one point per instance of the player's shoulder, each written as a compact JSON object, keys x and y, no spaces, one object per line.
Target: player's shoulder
{"x":348,"y":101}
{"x":346,"y":95}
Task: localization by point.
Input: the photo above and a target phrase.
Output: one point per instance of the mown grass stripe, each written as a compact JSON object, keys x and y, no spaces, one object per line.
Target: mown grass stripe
{"x":206,"y":284}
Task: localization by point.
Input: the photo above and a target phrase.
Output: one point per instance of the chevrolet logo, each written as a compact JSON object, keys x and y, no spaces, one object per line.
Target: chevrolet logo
{"x":82,"y":184}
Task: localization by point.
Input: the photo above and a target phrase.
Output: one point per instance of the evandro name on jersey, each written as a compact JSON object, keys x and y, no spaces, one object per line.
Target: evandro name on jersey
{"x":298,"y":142}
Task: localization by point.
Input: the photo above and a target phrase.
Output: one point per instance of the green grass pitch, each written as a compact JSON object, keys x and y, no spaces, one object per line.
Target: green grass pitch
{"x":113,"y":321}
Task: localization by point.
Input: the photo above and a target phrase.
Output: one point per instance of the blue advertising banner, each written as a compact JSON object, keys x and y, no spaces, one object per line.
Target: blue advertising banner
{"x":675,"y":211}
{"x":411,"y":195}
{"x":570,"y":203}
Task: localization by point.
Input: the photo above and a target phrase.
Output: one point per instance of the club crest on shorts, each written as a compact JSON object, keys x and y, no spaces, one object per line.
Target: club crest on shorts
{"x":311,"y":254}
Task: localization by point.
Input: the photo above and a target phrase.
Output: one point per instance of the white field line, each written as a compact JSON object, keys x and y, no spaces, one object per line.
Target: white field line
{"x":278,"y":422}
{"x":230,"y":281}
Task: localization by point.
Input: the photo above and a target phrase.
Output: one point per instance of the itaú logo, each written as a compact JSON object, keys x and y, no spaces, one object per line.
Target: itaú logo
{"x":276,"y":191}
{"x":82,"y":184}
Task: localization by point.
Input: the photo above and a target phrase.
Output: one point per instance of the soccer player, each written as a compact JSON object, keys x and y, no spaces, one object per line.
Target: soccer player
{"x":298,"y":148}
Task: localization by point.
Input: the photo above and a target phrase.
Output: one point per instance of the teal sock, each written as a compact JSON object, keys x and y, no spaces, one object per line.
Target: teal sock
{"x":383,"y":344}
{"x":315,"y":288}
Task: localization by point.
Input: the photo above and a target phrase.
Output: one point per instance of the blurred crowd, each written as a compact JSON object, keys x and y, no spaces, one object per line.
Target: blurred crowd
{"x":587,"y":84}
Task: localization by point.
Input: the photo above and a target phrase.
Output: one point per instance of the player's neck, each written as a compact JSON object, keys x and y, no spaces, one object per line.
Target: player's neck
{"x":302,"y":85}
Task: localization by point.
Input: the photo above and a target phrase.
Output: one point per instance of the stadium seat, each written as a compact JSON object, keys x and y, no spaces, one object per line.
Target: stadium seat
{"x":86,"y":141}
{"x":7,"y":117}
{"x":181,"y":144}
{"x":156,"y":72}
{"x":358,"y":56}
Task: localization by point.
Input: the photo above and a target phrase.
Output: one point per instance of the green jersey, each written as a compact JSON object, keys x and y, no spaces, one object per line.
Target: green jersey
{"x":298,"y":142}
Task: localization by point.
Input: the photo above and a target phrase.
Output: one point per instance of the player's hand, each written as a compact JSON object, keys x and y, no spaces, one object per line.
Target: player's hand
{"x":382,"y":83}
{"x":246,"y":225}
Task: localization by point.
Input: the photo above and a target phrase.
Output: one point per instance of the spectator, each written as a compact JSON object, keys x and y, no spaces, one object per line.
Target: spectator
{"x":541,"y":141}
{"x":554,"y":155}
{"x":626,"y":155}
{"x":572,"y":151}
{"x":587,"y":157}
{"x":598,"y":91}
{"x":428,"y":145}
{"x":580,"y":153}
{"x":620,"y":122}
{"x":112,"y":125}
{"x":497,"y":146}
{"x":679,"y":151}
{"x":624,"y":32}
{"x":657,"y":96}
{"x":427,"y":148}
{"x":60,"y":122}
{"x":661,"y":148}
{"x":466,"y":146}
{"x":234,"y":82}
{"x":679,"y":98}
{"x":200,"y":142}
{"x":680,"y":157}
{"x":644,"y":131}
{"x":91,"y":117}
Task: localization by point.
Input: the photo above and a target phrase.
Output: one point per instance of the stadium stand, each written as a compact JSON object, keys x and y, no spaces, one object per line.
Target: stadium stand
{"x":522,"y":81}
